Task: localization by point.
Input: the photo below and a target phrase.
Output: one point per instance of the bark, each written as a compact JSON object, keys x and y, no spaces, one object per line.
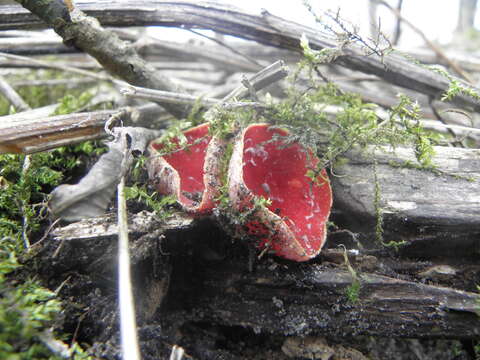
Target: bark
{"x":299,"y":301}
{"x":265,"y":28}
{"x":22,"y":134}
{"x":435,"y":211}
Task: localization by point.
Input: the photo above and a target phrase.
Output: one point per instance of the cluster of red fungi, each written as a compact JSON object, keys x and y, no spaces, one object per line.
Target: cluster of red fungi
{"x":292,"y":225}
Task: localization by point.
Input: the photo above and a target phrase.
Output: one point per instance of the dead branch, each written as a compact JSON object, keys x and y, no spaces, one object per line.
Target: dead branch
{"x":425,"y":208}
{"x":266,"y":28}
{"x":279,"y":298}
{"x":439,"y":52}
{"x":116,"y":56}
{"x":26,"y":136}
{"x":11,"y":95}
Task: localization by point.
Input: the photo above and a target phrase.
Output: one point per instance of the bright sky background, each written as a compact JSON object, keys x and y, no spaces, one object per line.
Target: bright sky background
{"x":437,"y":19}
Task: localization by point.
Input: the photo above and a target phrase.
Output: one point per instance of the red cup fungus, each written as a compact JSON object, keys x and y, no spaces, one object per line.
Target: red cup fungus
{"x":293,"y":225}
{"x":191,"y":173}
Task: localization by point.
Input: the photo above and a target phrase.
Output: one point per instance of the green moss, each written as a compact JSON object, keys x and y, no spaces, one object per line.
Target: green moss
{"x":71,"y":103}
{"x":476,"y":348}
{"x":159,"y":204}
{"x":27,"y":309}
{"x":27,"y":312}
{"x":478,"y":301}
{"x":24,"y":192}
{"x":352,"y":292}
{"x":173,"y":138}
{"x":40,"y":95}
{"x":377,"y":206}
{"x":223,"y":199}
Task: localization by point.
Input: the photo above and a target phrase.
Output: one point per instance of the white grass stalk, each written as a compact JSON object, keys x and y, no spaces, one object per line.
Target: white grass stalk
{"x":128,"y":326}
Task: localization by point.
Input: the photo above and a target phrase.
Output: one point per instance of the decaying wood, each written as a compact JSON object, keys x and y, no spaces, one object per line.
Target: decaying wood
{"x":300,"y":301}
{"x":275,"y":297}
{"x":435,"y":210}
{"x":26,"y":135}
{"x":188,"y":270}
{"x":266,"y":29}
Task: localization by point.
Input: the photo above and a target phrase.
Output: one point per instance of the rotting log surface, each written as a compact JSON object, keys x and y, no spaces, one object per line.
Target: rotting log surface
{"x":436,"y":211}
{"x":299,"y":300}
{"x":265,"y":28}
{"x":210,"y":279}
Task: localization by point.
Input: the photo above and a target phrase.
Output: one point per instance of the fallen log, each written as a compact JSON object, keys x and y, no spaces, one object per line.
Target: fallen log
{"x":300,"y":300}
{"x":188,"y":270}
{"x":434,"y":210}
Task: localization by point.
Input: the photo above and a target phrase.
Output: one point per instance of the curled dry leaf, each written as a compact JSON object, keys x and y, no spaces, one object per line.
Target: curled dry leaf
{"x":91,"y":196}
{"x":293,"y":225}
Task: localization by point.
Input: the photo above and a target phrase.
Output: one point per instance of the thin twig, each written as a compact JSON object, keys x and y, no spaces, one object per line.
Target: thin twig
{"x":165,"y":96}
{"x":398,"y":26}
{"x":178,"y":98}
{"x":66,"y":68}
{"x":58,"y":347}
{"x":223,"y":44}
{"x":439,"y":52}
{"x":128,"y":325}
{"x":267,"y":76}
{"x":12,"y":96}
{"x":47,"y":232}
{"x":25,"y":168}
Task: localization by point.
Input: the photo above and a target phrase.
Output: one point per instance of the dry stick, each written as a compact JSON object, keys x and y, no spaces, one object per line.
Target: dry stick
{"x":434,"y":47}
{"x":269,"y":75}
{"x":177,"y":353}
{"x":223,"y":44}
{"x":116,"y":56}
{"x":67,"y":68}
{"x":398,"y":26}
{"x":178,"y":98}
{"x":192,"y":51}
{"x":260,"y":80}
{"x":25,"y":136}
{"x":12,"y":96}
{"x":165,"y":96}
{"x":128,"y":326}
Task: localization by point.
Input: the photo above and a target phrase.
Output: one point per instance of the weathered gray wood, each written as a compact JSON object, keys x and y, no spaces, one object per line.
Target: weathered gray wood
{"x":106,"y":227}
{"x":32,"y":135}
{"x":265,"y":28}
{"x":418,"y":205}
